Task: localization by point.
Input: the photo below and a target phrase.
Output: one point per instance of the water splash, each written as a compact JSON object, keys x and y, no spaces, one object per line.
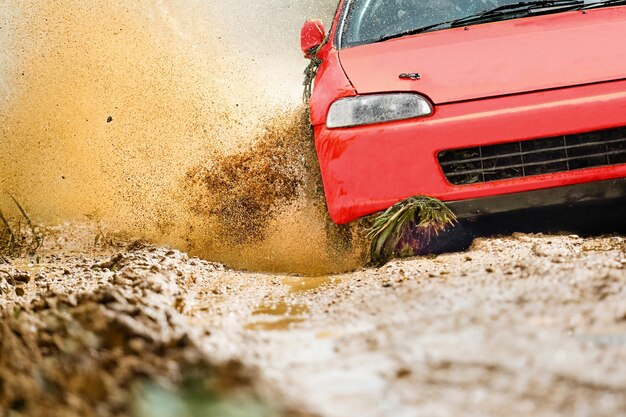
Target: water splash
{"x":146,"y":115}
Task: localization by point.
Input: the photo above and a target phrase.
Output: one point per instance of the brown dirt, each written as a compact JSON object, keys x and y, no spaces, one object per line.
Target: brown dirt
{"x":264,"y":208}
{"x":517,"y":326}
{"x":97,"y":333}
{"x":242,"y":191}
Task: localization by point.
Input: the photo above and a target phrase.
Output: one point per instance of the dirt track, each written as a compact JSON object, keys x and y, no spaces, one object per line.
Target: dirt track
{"x":526,"y":325}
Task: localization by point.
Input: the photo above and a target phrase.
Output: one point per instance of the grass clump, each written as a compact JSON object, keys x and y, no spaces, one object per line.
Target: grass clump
{"x":196,"y":399}
{"x":406,"y":228}
{"x":19,"y":234}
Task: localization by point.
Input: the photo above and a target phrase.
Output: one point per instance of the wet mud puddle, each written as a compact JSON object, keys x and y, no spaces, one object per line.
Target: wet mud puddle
{"x":285,"y":312}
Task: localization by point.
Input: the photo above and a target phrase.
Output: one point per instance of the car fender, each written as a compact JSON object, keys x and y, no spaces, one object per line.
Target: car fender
{"x":331,"y":83}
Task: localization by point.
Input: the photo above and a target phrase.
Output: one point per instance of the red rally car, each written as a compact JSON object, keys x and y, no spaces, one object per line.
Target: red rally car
{"x":488,"y":105}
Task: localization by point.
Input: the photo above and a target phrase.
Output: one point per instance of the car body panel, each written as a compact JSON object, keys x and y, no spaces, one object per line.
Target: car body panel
{"x":369,"y":168}
{"x":335,"y":86}
{"x":497,"y":58}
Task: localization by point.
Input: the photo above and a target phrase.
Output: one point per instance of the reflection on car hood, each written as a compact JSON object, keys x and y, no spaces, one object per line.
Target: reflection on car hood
{"x":498,"y":58}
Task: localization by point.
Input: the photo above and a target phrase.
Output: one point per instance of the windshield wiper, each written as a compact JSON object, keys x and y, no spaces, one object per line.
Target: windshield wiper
{"x":522,"y":7}
{"x":606,"y":3}
{"x":519,"y":9}
{"x":413,"y":31}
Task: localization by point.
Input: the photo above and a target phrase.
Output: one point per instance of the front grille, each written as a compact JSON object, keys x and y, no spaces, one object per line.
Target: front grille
{"x":534,"y":157}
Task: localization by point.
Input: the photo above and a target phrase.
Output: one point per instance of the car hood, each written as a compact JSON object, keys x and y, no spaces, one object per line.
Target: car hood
{"x":497,"y":58}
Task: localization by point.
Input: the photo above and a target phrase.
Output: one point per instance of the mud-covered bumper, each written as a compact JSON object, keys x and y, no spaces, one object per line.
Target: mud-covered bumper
{"x":367,"y":169}
{"x":589,"y":192}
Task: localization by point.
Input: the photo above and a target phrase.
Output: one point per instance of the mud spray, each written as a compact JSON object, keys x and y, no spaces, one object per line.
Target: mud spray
{"x":176,"y":121}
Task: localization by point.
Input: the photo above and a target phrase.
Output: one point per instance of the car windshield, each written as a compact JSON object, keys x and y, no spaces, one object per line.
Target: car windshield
{"x":368,"y":21}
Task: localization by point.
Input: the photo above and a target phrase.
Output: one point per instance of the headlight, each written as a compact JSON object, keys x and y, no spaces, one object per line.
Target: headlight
{"x":376,"y":108}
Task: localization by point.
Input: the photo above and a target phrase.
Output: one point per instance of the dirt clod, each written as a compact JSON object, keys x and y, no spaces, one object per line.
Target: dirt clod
{"x":22,"y":277}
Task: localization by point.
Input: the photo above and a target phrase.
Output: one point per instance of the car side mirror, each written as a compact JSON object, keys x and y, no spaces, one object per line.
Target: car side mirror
{"x":311,"y":36}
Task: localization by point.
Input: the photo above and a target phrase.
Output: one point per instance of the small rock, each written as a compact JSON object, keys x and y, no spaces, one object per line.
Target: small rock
{"x":19,"y":291}
{"x":52,"y":303}
{"x":179,"y":304}
{"x":111,"y":263}
{"x":137,"y":345}
{"x":22,"y":277}
{"x":69,"y":299}
{"x":136,"y":245}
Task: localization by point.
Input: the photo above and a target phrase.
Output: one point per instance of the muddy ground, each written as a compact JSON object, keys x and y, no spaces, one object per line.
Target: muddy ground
{"x":516,"y":326}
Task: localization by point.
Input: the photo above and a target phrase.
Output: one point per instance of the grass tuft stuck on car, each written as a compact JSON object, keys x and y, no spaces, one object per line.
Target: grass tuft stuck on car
{"x":406,"y":228}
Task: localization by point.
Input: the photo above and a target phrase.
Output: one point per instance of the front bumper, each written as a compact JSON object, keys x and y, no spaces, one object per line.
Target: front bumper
{"x":589,"y":192}
{"x":367,"y":169}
